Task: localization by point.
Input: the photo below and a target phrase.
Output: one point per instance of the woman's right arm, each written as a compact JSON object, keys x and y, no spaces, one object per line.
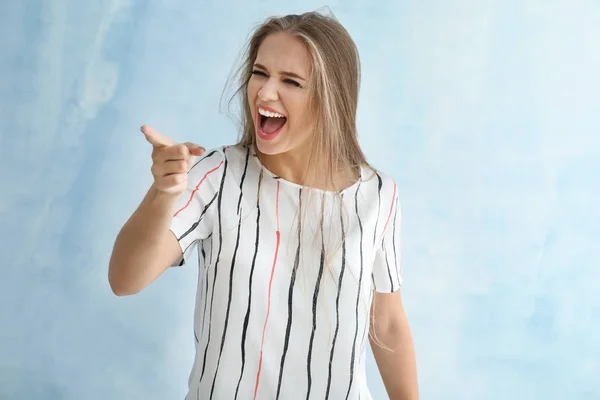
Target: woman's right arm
{"x":146,"y":247}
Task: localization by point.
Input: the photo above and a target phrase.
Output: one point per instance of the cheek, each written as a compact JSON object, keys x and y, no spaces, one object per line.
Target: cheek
{"x":252,"y":91}
{"x":254,"y":86}
{"x":302,"y":114}
{"x":296,"y":105}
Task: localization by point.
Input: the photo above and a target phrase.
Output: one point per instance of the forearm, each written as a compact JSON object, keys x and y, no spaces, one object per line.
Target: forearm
{"x":144,"y":246}
{"x":394,"y":353}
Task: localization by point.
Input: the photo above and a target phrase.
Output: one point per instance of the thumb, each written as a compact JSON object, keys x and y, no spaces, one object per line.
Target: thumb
{"x":195,"y":149}
{"x":155,"y":138}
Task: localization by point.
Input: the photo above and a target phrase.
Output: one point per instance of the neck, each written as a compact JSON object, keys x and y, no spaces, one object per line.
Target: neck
{"x":293,"y":166}
{"x":297,"y":167}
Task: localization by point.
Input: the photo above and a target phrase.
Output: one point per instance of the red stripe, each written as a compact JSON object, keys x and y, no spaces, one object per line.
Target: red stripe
{"x":391,"y":208}
{"x":197,"y":187}
{"x":278,"y":235}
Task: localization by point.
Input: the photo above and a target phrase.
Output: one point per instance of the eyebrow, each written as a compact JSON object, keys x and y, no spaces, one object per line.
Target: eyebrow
{"x":285,"y":73}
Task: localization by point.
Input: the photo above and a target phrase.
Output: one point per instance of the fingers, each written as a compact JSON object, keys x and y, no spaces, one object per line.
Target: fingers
{"x":170,"y":153}
{"x":171,"y":161}
{"x":195,"y":149}
{"x":154,"y":138}
{"x":173,"y":184}
{"x":177,"y":152}
{"x":170,"y":176}
{"x":169,"y":168}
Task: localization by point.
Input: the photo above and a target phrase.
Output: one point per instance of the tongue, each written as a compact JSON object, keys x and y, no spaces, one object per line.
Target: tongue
{"x":271,"y":125}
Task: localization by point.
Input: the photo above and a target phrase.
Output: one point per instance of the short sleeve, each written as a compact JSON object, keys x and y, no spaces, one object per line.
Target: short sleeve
{"x":193,"y":218}
{"x":387,"y":265}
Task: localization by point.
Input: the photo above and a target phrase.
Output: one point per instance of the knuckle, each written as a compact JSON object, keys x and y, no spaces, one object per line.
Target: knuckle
{"x":174,"y":180}
{"x":168,"y":180}
{"x":180,"y":178}
{"x":180,"y":149}
{"x":182,"y":166}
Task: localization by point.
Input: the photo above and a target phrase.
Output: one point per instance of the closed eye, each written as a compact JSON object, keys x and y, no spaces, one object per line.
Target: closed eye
{"x":292,"y":82}
{"x":288,"y":81}
{"x":260,"y":73}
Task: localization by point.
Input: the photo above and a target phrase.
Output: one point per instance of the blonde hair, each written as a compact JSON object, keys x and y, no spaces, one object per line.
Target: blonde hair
{"x":333,"y":89}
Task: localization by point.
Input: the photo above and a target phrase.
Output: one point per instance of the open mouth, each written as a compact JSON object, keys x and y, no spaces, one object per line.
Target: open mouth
{"x":270,"y":123}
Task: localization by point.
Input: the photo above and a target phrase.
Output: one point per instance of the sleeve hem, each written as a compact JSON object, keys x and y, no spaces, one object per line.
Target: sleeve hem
{"x":393,"y":289}
{"x":175,"y":230}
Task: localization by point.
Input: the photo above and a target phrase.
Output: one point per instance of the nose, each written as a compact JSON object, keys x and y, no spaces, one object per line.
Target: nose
{"x":268,"y":91}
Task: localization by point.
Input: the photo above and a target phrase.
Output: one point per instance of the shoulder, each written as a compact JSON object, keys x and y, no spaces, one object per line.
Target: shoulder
{"x":219,"y":158}
{"x":220,"y":163}
{"x":210,"y":166}
{"x":236,"y":154}
{"x":375,"y":180}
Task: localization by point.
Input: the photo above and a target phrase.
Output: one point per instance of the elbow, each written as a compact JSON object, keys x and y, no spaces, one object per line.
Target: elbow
{"x":120,"y":291}
{"x":118,"y":288}
{"x":118,"y":284}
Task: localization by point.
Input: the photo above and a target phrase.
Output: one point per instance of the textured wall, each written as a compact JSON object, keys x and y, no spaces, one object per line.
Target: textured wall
{"x":485,"y":112}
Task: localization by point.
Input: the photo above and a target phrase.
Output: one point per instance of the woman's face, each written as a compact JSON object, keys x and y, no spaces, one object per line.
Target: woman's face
{"x":278,"y":95}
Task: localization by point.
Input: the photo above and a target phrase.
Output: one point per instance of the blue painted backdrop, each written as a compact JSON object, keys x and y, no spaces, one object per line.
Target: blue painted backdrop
{"x":486,"y":113}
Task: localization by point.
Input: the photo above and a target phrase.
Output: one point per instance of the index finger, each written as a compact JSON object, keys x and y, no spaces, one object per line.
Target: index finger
{"x":154,"y":138}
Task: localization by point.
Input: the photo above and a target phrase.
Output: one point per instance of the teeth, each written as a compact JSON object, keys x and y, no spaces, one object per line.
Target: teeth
{"x":269,"y":114}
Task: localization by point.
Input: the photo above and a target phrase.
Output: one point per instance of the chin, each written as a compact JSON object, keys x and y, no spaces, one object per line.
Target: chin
{"x":268,"y":147}
{"x":271,"y":144}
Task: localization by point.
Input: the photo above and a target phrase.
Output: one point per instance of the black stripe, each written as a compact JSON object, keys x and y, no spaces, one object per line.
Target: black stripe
{"x":243,"y":178}
{"x":358,"y":294}
{"x":203,"y":293}
{"x":219,"y":211}
{"x":186,"y":249}
{"x":365,"y":330}
{"x":205,"y":298}
{"x":247,"y":317}
{"x":195,"y":224}
{"x":337,"y":300}
{"x":291,"y":295}
{"x":379,"y":185}
{"x":231,"y":272}
{"x":206,"y":291}
{"x":203,"y":252}
{"x":204,"y":158}
{"x":385,"y":255}
{"x":394,"y":242}
{"x":315,"y":299}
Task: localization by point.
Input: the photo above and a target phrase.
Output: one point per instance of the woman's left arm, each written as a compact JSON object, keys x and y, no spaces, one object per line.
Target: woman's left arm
{"x":392,"y":346}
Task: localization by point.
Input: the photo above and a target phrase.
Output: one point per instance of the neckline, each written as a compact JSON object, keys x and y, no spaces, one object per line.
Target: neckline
{"x":298,"y":186}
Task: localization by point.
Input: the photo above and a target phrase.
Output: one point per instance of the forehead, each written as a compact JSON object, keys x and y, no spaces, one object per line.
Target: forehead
{"x":284,"y":52}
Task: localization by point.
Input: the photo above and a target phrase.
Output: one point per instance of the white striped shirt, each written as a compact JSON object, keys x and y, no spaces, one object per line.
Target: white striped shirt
{"x":282,"y":307}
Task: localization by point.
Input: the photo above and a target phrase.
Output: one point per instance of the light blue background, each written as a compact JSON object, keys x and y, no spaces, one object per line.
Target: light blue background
{"x":485,"y":112}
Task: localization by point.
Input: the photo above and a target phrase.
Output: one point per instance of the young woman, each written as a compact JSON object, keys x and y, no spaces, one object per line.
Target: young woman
{"x":298,"y":237}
